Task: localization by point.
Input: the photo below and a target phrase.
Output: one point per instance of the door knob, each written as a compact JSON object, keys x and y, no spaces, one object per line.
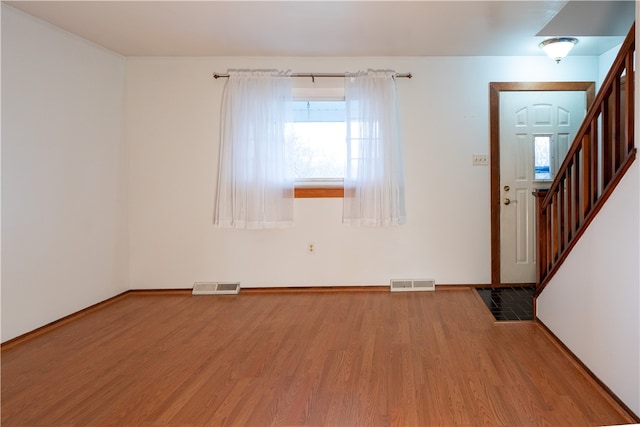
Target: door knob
{"x":506,"y":201}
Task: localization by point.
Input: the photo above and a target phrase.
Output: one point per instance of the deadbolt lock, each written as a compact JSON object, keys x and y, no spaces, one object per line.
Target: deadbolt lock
{"x":507,"y":188}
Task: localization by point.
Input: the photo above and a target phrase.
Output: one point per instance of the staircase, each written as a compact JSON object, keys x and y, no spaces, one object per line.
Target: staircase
{"x":597,"y":160}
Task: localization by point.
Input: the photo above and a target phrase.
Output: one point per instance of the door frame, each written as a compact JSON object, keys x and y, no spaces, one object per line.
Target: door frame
{"x":494,"y":148}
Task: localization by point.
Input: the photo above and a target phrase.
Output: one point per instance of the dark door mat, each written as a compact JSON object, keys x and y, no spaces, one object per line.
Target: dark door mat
{"x":509,"y":303}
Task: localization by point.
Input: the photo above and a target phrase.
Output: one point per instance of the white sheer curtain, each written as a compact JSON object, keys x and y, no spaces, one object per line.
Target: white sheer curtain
{"x":255,"y":185}
{"x":374,"y":179}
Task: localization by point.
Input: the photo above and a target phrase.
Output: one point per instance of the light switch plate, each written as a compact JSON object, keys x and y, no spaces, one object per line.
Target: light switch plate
{"x":480,"y":159}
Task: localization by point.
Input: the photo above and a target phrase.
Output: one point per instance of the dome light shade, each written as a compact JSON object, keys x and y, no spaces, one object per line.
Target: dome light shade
{"x":557,"y":48}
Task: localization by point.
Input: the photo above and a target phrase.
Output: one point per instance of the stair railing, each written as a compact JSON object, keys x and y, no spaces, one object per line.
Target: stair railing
{"x":599,"y":156}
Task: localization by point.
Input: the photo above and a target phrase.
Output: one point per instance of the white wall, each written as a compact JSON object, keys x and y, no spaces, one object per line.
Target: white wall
{"x":592,"y":302}
{"x":172,"y":116}
{"x":64,"y":212}
{"x":604,"y":63}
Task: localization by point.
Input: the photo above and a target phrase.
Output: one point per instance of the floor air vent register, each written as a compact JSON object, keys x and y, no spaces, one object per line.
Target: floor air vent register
{"x":214,"y":288}
{"x":413,"y":285}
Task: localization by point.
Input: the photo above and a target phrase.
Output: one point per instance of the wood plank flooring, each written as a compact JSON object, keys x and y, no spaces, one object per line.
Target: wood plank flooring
{"x":297,"y":359}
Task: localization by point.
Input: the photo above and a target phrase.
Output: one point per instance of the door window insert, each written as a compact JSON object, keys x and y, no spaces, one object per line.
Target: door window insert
{"x":542,"y":158}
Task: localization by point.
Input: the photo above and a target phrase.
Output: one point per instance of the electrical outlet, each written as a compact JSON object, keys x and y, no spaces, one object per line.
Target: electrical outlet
{"x":311,"y":248}
{"x":480,"y":159}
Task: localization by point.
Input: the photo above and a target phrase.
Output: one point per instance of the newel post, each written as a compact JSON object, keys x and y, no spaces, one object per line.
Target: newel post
{"x":542,"y":237}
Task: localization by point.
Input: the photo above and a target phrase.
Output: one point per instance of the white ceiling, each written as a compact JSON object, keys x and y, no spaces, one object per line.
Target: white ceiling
{"x":337,"y":28}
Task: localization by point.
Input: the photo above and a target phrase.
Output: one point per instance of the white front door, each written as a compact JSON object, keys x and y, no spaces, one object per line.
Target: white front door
{"x":536,"y":130}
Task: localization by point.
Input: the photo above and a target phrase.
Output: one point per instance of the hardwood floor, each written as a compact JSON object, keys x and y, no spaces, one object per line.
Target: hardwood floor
{"x":297,"y":358}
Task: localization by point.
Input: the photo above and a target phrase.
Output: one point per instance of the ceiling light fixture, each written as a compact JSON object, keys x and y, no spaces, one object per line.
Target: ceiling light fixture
{"x":557,"y":48}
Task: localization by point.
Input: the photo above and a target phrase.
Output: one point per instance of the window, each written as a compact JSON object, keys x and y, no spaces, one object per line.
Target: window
{"x":542,"y":158}
{"x":319,"y":140}
{"x":318,"y":135}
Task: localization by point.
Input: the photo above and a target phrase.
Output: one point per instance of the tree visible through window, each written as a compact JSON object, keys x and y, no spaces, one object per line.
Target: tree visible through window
{"x":318,"y":137}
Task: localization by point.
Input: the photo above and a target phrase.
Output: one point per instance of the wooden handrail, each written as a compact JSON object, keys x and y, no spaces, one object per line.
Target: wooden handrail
{"x":601,"y":153}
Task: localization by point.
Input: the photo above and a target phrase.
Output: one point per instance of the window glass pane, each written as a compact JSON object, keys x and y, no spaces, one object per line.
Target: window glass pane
{"x":542,"y":157}
{"x":318,"y":135}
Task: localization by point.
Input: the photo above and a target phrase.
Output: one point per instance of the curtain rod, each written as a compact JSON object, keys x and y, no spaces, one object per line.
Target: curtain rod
{"x":314,"y":75}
